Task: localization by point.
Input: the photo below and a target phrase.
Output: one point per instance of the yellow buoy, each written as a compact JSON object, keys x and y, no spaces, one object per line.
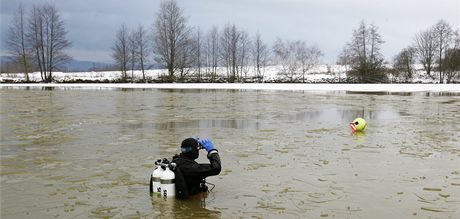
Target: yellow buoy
{"x":358,"y":125}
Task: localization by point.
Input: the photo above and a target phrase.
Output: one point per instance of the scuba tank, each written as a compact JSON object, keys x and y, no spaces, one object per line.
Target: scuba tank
{"x":167,"y":181}
{"x":155,"y":177}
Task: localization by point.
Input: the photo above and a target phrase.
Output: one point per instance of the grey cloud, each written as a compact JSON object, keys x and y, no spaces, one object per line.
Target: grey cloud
{"x":326,"y":23}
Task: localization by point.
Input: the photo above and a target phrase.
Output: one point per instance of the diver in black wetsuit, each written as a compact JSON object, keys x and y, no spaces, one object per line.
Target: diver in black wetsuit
{"x":194,"y":173}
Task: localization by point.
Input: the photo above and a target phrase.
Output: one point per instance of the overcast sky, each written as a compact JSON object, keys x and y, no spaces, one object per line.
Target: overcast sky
{"x":92,"y":24}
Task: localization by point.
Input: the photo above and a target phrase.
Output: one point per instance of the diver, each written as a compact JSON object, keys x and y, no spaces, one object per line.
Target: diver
{"x":190,"y":175}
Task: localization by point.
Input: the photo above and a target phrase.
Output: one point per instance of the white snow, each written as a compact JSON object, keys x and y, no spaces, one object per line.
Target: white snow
{"x":316,"y":78}
{"x":264,"y":86}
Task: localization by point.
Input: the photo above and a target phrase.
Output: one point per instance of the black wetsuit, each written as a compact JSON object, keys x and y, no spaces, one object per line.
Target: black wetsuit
{"x":194,"y":173}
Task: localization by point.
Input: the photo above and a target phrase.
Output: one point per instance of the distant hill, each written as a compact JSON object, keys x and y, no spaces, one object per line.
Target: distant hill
{"x":76,"y":65}
{"x":5,"y":59}
{"x":72,"y":66}
{"x":83,"y":66}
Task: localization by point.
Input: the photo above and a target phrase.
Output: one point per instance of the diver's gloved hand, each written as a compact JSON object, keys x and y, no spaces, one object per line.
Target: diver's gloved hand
{"x":207,"y":145}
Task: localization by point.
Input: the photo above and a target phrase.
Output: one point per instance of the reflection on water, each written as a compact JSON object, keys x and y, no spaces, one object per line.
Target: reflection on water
{"x":338,"y":116}
{"x":194,"y":207}
{"x":88,"y":153}
{"x":428,"y":94}
{"x":47,"y":88}
{"x":204,"y":123}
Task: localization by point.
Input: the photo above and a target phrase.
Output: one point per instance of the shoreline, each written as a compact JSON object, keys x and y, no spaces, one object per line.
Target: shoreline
{"x":259,"y":86}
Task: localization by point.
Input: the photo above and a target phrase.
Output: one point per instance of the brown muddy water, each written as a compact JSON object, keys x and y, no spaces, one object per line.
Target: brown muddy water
{"x":88,"y":153}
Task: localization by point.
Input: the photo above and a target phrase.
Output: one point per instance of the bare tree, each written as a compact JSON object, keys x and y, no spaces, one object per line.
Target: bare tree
{"x":404,"y":63}
{"x":47,"y":35}
{"x":225,"y":48}
{"x":295,"y":59}
{"x":230,"y":39}
{"x":56,"y":42}
{"x":35,"y":38}
{"x":133,"y":52}
{"x":16,"y":41}
{"x":213,"y":51}
{"x":426,"y":48}
{"x":285,"y":54}
{"x":198,"y":52}
{"x":243,"y":55}
{"x":121,"y":51}
{"x":345,"y":59}
{"x":234,"y":49}
{"x":186,"y":58}
{"x":444,"y":36}
{"x":206,"y":55}
{"x":451,"y":61}
{"x":260,"y":55}
{"x":307,"y":57}
{"x":366,"y":57}
{"x":171,"y":35}
{"x":142,"y":46}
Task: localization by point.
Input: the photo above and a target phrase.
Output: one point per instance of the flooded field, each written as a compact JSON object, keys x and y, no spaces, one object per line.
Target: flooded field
{"x":88,"y":153}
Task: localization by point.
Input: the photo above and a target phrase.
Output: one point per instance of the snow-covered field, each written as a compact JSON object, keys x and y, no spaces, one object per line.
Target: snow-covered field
{"x":262,"y":86}
{"x":270,"y":73}
{"x":316,"y":80}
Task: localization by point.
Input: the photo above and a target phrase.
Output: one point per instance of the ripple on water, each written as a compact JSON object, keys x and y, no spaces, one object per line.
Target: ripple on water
{"x":104,"y":212}
{"x":91,"y":150}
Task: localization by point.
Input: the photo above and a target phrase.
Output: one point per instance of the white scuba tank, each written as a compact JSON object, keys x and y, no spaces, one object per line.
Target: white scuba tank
{"x":156,"y":174}
{"x":168,"y":186}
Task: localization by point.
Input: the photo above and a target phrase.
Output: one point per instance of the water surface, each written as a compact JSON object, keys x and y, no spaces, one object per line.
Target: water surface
{"x":88,"y":153}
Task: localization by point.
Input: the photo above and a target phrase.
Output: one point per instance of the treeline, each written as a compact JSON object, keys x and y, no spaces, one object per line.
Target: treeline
{"x":437,"y":49}
{"x":37,"y":41}
{"x":186,"y":52}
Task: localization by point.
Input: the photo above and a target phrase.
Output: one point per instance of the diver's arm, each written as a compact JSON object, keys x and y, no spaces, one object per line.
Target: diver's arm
{"x":204,"y":170}
{"x":214,"y":160}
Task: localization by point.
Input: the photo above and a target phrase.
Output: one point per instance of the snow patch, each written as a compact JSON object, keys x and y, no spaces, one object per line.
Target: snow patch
{"x":319,"y":74}
{"x":455,"y":88}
